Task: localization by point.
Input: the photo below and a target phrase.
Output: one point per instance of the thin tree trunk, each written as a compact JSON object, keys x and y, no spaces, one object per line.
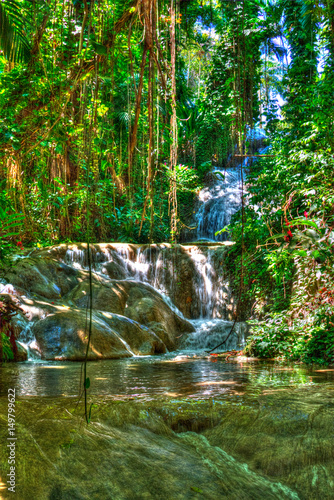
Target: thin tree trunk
{"x":173,"y":128}
{"x":133,"y":140}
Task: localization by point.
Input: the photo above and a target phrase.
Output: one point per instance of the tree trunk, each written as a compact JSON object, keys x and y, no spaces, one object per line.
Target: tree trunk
{"x":173,"y":128}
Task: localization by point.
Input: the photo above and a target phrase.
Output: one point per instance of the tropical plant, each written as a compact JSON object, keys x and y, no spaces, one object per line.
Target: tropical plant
{"x":13,"y":40}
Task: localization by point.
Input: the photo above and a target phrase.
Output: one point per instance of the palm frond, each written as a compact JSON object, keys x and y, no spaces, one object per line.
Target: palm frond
{"x":278,"y":49}
{"x":123,"y":117}
{"x":309,"y":15}
{"x":13,"y":41}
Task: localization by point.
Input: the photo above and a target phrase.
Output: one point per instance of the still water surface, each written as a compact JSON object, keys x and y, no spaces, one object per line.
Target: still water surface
{"x":151,"y":377}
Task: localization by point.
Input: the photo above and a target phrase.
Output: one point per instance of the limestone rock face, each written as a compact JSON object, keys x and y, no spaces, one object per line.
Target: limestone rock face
{"x":141,"y":339}
{"x":148,"y":308}
{"x":115,"y":270}
{"x":64,"y":335}
{"x":141,"y":295}
{"x":138,"y":302}
{"x":129,"y":317}
{"x":106,"y":296}
{"x":193,"y":276}
{"x":44,"y":276}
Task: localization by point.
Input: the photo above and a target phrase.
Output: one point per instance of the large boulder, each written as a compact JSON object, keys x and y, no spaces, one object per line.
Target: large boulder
{"x":140,"y":339}
{"x":107,"y":296}
{"x":137,"y":301}
{"x":147,"y":307}
{"x":45,"y":277}
{"x":64,"y":335}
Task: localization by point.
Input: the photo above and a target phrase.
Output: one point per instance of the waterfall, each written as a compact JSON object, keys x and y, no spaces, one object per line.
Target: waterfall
{"x":220,"y":199}
{"x":217,"y":203}
{"x":191,"y":277}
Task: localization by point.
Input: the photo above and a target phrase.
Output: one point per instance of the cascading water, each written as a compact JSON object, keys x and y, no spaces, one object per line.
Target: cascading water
{"x":217,"y":203}
{"x":191,"y":277}
{"x":220,"y":199}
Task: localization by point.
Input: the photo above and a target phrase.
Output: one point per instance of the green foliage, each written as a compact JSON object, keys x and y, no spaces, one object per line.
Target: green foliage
{"x":10,"y":226}
{"x":185,"y":177}
{"x":68,"y":119}
{"x":310,"y":340}
{"x":289,"y":214}
{"x":13,"y":41}
{"x":6,"y":348}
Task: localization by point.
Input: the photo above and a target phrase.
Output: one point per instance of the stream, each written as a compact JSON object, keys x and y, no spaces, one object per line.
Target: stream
{"x":176,"y":423}
{"x":177,"y":426}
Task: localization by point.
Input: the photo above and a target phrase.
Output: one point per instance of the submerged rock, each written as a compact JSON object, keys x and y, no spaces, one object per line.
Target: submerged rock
{"x":125,"y":453}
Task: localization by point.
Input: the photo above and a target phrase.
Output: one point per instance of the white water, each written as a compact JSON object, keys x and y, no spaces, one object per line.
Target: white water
{"x":172,"y":271}
{"x":211,"y":333}
{"x":159,"y":267}
{"x":217,"y":203}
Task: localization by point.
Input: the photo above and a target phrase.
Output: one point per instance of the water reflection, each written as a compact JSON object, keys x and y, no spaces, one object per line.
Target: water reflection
{"x":150,"y":377}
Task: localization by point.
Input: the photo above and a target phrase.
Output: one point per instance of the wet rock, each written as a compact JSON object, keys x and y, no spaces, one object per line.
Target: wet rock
{"x":109,"y":297}
{"x":286,"y":436}
{"x":52,"y":281}
{"x":166,"y":324}
{"x":22,"y":354}
{"x":136,"y":301}
{"x":147,"y":307}
{"x":114,"y":270}
{"x":64,"y":335}
{"x":192,"y":276}
{"x":44,"y":277}
{"x":210,"y":334}
{"x":141,"y":339}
